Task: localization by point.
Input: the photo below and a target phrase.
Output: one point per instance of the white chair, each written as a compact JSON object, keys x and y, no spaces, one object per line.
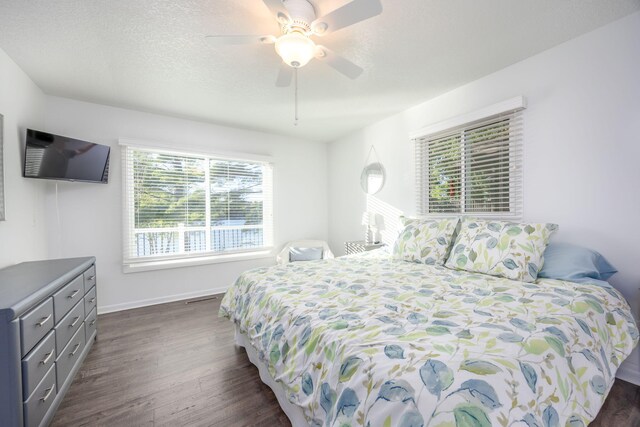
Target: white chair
{"x":284,"y":255}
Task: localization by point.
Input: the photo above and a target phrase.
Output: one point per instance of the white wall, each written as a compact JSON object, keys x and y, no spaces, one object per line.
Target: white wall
{"x":91,"y":214}
{"x":581,"y":143}
{"x":22,"y":235}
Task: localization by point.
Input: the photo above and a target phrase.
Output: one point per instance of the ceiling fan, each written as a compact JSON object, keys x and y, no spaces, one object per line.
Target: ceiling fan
{"x":299,"y":23}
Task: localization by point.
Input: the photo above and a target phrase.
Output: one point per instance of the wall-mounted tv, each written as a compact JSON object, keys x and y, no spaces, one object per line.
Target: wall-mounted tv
{"x":49,"y":156}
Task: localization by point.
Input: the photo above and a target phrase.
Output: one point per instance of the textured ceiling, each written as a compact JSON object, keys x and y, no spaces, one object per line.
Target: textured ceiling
{"x":151,"y":55}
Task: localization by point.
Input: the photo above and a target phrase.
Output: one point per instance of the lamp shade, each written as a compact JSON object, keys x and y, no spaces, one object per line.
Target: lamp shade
{"x":295,"y":49}
{"x":370,"y":219}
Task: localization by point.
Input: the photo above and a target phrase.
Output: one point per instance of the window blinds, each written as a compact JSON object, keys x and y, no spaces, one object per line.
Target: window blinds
{"x":472,"y":169}
{"x":181,"y":205}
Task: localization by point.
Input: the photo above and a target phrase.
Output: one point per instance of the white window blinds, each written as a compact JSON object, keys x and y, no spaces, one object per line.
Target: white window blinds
{"x":475,"y":168}
{"x":180,"y":205}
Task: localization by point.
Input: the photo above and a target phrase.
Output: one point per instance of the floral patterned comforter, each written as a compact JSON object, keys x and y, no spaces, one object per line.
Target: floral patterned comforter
{"x":372,"y":341}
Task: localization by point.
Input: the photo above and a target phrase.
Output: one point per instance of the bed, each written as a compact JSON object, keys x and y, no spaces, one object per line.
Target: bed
{"x":370,"y":340}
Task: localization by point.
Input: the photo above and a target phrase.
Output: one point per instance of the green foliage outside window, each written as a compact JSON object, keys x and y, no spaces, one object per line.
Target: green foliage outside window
{"x":171,"y":190}
{"x":476,"y":161}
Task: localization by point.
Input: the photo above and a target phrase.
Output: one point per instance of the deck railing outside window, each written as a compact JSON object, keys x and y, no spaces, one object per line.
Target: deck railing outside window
{"x":180,"y":240}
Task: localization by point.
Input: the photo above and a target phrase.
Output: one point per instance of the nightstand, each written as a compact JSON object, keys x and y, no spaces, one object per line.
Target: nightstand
{"x":357,"y":246}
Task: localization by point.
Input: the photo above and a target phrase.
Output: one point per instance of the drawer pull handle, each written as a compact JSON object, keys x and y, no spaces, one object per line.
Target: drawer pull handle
{"x":47,"y":358}
{"x":93,"y":322}
{"x":48,"y":391}
{"x":74,"y":294}
{"x":74,"y":322}
{"x":90,"y":278}
{"x":92,"y":300}
{"x":42,"y":321}
{"x":75,"y":350}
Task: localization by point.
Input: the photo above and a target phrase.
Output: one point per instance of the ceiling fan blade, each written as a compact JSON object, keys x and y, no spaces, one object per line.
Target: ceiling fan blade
{"x":284,"y":76}
{"x":278,"y":10}
{"x":231,"y":40}
{"x":349,"y":14}
{"x":339,"y":63}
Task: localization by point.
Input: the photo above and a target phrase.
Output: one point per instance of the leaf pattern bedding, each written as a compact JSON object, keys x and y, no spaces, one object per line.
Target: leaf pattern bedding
{"x":368,"y":340}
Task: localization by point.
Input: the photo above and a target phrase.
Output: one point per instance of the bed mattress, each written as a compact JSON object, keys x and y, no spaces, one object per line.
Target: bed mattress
{"x":369,"y":340}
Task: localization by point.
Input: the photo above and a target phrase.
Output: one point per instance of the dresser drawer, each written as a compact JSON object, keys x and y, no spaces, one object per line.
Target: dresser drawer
{"x":68,"y":326}
{"x":67,"y":297}
{"x":35,"y":325}
{"x":89,"y":278}
{"x":40,"y":401}
{"x":90,"y":324}
{"x":68,"y":357}
{"x":90,"y":300}
{"x":37,"y":363}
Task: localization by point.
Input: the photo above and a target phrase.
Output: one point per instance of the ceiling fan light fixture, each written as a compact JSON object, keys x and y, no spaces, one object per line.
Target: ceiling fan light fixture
{"x":295,"y":49}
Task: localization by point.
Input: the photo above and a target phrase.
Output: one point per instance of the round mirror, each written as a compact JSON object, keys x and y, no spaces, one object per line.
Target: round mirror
{"x":372,"y":178}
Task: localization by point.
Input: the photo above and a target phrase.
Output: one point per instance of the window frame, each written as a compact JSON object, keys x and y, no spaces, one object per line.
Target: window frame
{"x":134,"y":264}
{"x":459,"y":127}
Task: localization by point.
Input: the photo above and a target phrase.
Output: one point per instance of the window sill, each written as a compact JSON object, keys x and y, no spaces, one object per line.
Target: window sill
{"x":195,"y":261}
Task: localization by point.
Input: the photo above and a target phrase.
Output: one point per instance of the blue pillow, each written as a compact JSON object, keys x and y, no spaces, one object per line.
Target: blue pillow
{"x":565,"y":261}
{"x":305,"y":254}
{"x":590,"y":281}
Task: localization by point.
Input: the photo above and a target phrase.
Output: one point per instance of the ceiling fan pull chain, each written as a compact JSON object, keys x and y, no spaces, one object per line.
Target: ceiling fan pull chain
{"x":295,"y":78}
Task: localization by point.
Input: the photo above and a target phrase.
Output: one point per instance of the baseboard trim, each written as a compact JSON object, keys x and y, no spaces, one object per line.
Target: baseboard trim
{"x":629,"y":372}
{"x":161,"y":300}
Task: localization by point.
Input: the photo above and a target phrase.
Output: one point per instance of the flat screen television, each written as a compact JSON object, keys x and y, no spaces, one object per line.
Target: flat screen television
{"x":49,"y":156}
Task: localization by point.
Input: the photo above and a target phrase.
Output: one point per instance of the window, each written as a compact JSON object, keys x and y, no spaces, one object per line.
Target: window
{"x":181,"y":205}
{"x":474,"y":168}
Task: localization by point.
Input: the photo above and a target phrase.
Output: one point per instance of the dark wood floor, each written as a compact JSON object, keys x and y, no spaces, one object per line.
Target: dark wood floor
{"x":176,"y":365}
{"x":168,"y":365}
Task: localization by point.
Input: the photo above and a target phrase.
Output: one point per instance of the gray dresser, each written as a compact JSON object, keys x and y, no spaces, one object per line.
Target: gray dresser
{"x":48,"y":320}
